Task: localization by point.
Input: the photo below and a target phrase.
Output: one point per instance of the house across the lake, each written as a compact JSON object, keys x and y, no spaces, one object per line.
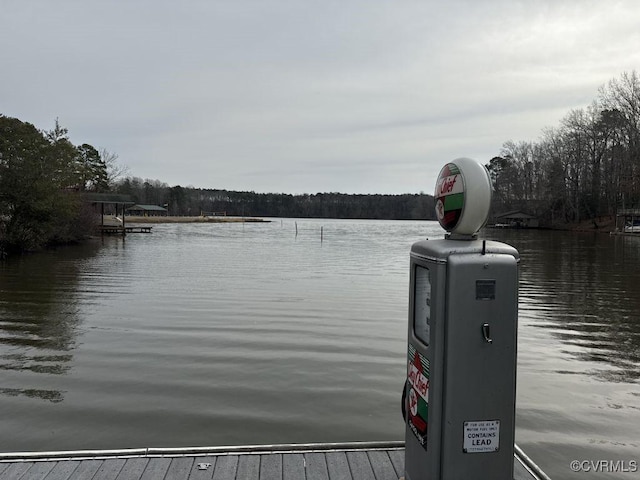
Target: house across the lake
{"x":147,"y":211}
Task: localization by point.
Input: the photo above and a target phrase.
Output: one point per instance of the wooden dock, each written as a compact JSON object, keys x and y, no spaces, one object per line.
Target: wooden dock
{"x":114,"y":225}
{"x":349,"y":461}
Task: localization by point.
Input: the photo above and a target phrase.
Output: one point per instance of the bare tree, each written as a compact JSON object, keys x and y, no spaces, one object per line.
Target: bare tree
{"x":114,"y":169}
{"x":622,"y":98}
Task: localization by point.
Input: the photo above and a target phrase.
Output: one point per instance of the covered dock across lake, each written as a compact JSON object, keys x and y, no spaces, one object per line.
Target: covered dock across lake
{"x":516,"y":219}
{"x":627,"y":221}
{"x":116,"y":205}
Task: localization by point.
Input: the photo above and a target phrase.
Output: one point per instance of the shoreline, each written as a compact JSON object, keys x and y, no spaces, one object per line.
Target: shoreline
{"x":604,"y":224}
{"x":194,"y":219}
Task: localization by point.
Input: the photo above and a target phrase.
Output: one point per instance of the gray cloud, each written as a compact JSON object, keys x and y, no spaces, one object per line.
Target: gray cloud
{"x":307,"y":96}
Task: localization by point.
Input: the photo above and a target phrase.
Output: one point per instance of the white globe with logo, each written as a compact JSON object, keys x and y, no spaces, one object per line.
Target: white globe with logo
{"x":463,"y":196}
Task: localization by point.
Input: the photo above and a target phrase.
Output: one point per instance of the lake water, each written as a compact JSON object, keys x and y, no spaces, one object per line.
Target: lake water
{"x":223,"y":334}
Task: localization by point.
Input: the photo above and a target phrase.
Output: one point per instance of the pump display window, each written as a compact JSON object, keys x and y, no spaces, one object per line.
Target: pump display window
{"x":422,"y":309}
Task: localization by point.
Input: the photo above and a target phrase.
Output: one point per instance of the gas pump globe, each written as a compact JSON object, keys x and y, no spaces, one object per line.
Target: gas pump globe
{"x":463,"y":197}
{"x":459,"y":398}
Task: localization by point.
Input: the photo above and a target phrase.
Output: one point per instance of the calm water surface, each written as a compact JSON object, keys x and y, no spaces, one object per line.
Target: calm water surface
{"x":221,"y":334}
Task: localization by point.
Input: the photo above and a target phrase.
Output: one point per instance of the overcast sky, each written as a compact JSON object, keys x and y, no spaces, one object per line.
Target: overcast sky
{"x":306,"y":96}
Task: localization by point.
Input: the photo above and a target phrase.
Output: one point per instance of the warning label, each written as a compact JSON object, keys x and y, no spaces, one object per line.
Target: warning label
{"x":481,"y":436}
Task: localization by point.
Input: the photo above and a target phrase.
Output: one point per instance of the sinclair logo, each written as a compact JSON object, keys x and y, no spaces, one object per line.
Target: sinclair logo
{"x":449,"y":196}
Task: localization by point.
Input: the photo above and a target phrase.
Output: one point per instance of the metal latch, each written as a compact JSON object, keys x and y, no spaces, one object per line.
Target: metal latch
{"x":486,"y":333}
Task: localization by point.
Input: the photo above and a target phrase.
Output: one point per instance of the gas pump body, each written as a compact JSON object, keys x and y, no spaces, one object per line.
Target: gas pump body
{"x":462,"y":345}
{"x":461,"y":362}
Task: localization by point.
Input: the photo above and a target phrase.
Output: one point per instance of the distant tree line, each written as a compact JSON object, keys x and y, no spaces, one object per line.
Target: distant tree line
{"x":196,"y":201}
{"x":41,"y":177}
{"x":586,"y":167}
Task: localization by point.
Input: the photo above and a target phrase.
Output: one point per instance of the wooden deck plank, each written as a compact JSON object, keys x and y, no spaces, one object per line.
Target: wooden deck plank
{"x":248,"y":467}
{"x":156,"y":469}
{"x":16,"y":470}
{"x":180,"y":468}
{"x":338,"y":466}
{"x":226,"y":468}
{"x":316,"y":466}
{"x":109,"y":469}
{"x":86,"y":469}
{"x":271,"y":466}
{"x":205,"y":474}
{"x":62,"y":470}
{"x":360,"y":466}
{"x":133,"y":469}
{"x":397,"y":459}
{"x":293,"y":467}
{"x":39,"y":470}
{"x":381,"y":465}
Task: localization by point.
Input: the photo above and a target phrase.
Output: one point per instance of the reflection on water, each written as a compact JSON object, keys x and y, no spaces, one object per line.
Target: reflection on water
{"x":218,"y":334}
{"x":579,"y":348}
{"x":49,"y":364}
{"x":585,"y":289}
{"x":38,"y":318}
{"x":50,"y":395}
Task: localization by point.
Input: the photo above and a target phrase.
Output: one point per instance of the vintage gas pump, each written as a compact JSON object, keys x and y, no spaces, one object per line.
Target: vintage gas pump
{"x":461,"y":365}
